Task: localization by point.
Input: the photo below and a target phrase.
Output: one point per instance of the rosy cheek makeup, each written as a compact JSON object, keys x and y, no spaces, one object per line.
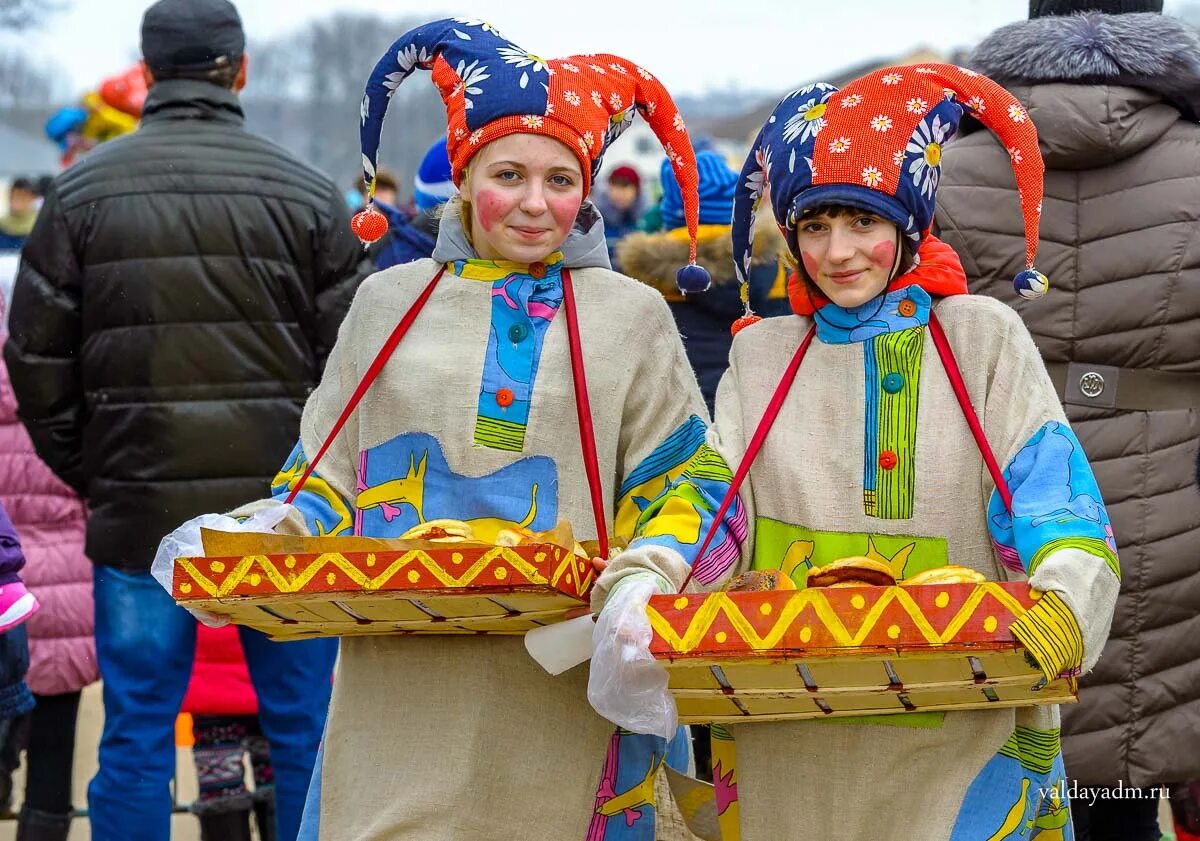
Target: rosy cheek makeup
{"x":492,"y":208}
{"x":884,"y":255}
{"x":564,"y":210}
{"x":810,"y":264}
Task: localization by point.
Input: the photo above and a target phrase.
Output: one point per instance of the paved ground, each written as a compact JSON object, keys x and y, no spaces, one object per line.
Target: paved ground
{"x":91,"y":718}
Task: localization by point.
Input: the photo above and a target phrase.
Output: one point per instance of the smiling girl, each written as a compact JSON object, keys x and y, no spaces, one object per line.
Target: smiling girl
{"x":532,"y":385}
{"x":849,"y":255}
{"x":912,"y":424}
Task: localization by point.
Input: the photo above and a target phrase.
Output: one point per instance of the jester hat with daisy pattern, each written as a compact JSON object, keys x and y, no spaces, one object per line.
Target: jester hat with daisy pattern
{"x":876,"y":144}
{"x":492,"y":88}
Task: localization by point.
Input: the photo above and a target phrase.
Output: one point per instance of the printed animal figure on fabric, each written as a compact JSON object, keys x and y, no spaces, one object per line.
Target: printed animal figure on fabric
{"x":524,"y":494}
{"x":407,"y":481}
{"x":1062,"y":501}
{"x":626,"y":787}
{"x":390,"y":497}
{"x":1059,"y":503}
{"x":697,"y":477}
{"x":1020,"y":795}
{"x":326,"y":512}
{"x":796,"y":549}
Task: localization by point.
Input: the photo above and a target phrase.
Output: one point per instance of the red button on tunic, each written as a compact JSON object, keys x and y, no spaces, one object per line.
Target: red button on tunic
{"x":537,"y":270}
{"x":887,"y":459}
{"x":504,"y":397}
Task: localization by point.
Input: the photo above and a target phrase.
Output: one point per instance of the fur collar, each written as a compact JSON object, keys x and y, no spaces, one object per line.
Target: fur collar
{"x":1149,"y":51}
{"x":655,"y":258}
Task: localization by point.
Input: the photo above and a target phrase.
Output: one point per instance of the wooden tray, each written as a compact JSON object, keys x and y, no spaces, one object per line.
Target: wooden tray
{"x":295,"y":588}
{"x":823,"y":652}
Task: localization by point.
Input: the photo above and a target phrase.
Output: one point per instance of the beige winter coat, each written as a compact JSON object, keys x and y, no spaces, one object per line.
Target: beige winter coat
{"x":1120,"y":242}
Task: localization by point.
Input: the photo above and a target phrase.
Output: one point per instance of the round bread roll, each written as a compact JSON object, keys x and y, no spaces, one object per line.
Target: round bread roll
{"x":513,"y":537}
{"x":760,"y":580}
{"x":949,"y":574}
{"x":440,"y":531}
{"x":855,"y":571}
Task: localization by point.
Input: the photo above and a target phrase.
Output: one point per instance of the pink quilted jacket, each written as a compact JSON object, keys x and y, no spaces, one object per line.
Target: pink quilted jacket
{"x":50,"y":521}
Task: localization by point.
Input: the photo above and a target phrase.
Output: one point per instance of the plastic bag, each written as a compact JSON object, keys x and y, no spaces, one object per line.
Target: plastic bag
{"x":185,"y":542}
{"x":626,"y":684}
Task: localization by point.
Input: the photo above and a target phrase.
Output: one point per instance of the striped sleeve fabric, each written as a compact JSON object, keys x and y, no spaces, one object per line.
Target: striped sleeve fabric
{"x":1051,"y":634}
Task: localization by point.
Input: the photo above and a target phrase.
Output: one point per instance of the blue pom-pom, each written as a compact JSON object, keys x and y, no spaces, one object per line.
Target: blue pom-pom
{"x":1031,"y":284}
{"x":692,"y":278}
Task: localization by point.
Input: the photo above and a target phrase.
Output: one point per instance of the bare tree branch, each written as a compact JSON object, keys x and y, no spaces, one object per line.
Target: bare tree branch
{"x":23,"y":15}
{"x":24,"y":84}
{"x":304,"y":92}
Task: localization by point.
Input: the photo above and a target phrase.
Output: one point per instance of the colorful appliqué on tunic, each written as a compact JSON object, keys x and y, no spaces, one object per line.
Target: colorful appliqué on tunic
{"x":891,"y":330}
{"x":625,"y":801}
{"x":407,"y":481}
{"x":672,"y":496}
{"x":1020,"y":795}
{"x":523,"y":306}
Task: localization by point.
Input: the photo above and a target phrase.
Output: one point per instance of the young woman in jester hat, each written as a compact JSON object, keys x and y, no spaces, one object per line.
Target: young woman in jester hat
{"x":475,"y":417}
{"x":871,"y":454}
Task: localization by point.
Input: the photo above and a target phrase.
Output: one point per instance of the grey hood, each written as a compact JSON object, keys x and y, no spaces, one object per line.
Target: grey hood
{"x":585,"y":247}
{"x":1100,"y":88}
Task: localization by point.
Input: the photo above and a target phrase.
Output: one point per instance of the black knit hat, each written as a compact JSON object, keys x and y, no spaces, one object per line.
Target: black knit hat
{"x":1048,"y":8}
{"x":189,"y":36}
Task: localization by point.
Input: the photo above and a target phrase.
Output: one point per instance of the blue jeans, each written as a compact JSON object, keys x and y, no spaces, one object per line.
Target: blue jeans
{"x":145,"y":644}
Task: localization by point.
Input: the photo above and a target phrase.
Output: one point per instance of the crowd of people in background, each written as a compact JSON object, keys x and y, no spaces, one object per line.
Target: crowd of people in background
{"x":127,"y":408}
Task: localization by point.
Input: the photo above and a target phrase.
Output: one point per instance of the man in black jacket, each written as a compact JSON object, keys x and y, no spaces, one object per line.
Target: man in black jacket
{"x":172,"y":311}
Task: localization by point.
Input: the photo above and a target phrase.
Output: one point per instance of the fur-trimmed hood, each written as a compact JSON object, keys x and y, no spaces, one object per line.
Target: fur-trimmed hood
{"x":655,"y":258}
{"x":1154,"y":52}
{"x":1100,"y":88}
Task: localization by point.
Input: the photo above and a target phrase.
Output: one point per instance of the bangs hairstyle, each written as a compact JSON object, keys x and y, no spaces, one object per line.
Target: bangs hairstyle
{"x":838,"y":211}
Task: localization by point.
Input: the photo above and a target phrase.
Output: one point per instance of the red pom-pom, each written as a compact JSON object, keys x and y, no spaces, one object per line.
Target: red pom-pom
{"x":369,"y":225}
{"x":744,"y":322}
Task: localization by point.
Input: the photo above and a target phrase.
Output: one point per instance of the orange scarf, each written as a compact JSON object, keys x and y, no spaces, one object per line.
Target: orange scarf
{"x":940,"y":273}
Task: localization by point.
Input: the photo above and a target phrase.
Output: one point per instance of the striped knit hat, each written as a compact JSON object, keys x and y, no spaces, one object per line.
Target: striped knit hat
{"x":715,"y":191}
{"x":434,"y":183}
{"x":877,"y":145}
{"x":492,"y":88}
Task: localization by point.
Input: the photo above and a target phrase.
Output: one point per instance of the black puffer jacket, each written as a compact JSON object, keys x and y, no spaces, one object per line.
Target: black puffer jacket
{"x":173,"y":307}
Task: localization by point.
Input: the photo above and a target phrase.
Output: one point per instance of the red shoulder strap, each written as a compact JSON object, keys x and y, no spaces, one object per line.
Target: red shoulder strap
{"x":772,"y":412}
{"x":756,"y":441}
{"x":376,"y":366}
{"x":964,"y":401}
{"x":587,"y":433}
{"x":583,"y":408}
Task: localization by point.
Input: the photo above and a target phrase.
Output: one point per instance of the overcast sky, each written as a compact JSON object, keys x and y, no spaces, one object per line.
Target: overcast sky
{"x":692,"y":46}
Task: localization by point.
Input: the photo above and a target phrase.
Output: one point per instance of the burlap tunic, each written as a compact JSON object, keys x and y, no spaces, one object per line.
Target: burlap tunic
{"x":906,"y":778}
{"x":466,"y":738}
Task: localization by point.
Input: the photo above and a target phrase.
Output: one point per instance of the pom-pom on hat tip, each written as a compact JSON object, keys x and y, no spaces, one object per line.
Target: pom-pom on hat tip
{"x":369,"y":225}
{"x":1031,"y":284}
{"x":744,"y":322}
{"x":693,"y":278}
